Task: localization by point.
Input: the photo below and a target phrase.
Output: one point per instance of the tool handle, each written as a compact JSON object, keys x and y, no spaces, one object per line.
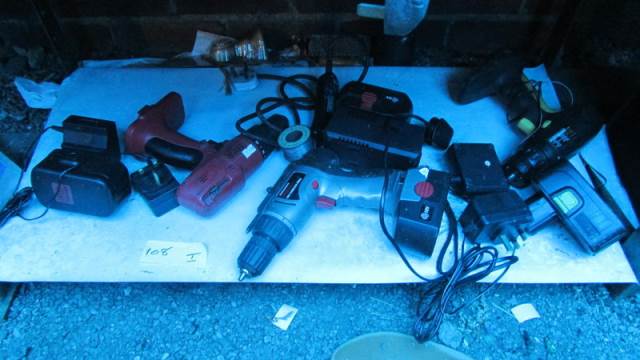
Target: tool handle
{"x":327,"y":91}
{"x":155,"y":133}
{"x":173,"y":154}
{"x":360,"y":192}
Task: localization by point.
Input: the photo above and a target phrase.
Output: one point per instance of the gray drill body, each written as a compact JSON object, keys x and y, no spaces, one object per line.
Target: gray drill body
{"x":316,"y":181}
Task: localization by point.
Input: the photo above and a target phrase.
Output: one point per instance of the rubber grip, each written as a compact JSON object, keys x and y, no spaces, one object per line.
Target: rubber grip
{"x":172,"y":154}
{"x":257,"y":255}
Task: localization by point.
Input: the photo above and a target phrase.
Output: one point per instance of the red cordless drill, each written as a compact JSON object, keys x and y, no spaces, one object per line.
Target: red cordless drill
{"x":219,"y":169}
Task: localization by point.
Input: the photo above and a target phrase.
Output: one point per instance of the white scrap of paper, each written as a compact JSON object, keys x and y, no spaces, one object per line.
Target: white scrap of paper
{"x":37,"y":95}
{"x":203,"y":42}
{"x":525,"y":312}
{"x":284,"y":316}
{"x":174,"y":254}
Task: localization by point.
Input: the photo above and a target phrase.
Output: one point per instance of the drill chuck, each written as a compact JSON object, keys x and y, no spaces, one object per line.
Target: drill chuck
{"x":270,"y":235}
{"x":256,"y":256}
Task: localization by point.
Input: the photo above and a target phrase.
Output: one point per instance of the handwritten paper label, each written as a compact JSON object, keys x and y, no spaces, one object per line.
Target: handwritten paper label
{"x":174,"y":254}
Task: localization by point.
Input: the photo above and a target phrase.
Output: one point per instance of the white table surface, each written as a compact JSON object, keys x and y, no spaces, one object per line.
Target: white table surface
{"x":336,"y":246}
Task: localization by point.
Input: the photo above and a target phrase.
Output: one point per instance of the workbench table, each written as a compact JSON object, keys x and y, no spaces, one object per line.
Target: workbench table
{"x":337,"y":246}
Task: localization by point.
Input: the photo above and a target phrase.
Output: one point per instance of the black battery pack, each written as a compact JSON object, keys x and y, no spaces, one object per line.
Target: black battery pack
{"x":420,"y":209}
{"x":80,"y":182}
{"x":368,"y":118}
{"x":85,"y":175}
{"x":568,"y":196}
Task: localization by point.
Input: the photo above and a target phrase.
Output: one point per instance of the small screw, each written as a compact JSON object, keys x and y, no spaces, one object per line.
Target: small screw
{"x":487,"y":163}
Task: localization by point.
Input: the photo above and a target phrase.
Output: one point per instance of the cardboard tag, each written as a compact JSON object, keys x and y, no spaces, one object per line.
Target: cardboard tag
{"x":284,"y":316}
{"x":525,"y":312}
{"x":174,"y":254}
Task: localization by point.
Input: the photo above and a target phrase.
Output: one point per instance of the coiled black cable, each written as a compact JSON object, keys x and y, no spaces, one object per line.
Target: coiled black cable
{"x":294,"y":104}
{"x":308,"y":102}
{"x":468,"y":266}
{"x":29,"y":153}
{"x":22,"y":197}
{"x":13,"y":207}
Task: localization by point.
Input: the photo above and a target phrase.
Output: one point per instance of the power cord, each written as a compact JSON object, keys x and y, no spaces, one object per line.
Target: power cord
{"x":29,"y":153}
{"x":294,"y":104}
{"x":537,"y":85}
{"x":13,"y":207}
{"x":365,"y":69}
{"x":21,"y":197}
{"x":468,"y":266}
{"x":308,"y":102}
{"x":48,"y":203}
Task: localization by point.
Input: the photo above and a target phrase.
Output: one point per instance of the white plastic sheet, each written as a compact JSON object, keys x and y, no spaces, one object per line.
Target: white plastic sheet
{"x":336,"y":246}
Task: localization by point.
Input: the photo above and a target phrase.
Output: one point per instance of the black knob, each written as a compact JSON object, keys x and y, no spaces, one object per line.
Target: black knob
{"x":438,"y":133}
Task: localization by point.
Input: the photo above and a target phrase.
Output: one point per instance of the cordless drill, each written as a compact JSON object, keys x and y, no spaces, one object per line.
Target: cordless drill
{"x":219,"y":170}
{"x":542,"y":160}
{"x":559,"y":137}
{"x":416,"y":198}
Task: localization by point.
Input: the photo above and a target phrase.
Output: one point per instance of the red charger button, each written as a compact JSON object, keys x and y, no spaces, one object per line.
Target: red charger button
{"x":324,"y":202}
{"x":424,"y":189}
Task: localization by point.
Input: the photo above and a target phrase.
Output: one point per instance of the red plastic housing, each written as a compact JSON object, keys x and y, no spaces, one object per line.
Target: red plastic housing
{"x":223,"y":168}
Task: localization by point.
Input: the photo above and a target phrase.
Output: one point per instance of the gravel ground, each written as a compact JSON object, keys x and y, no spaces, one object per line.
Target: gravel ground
{"x":231,"y":321}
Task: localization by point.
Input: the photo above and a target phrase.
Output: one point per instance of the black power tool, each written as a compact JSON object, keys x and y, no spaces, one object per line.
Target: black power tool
{"x":86,"y":174}
{"x":505,"y":80}
{"x":558,"y":137}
